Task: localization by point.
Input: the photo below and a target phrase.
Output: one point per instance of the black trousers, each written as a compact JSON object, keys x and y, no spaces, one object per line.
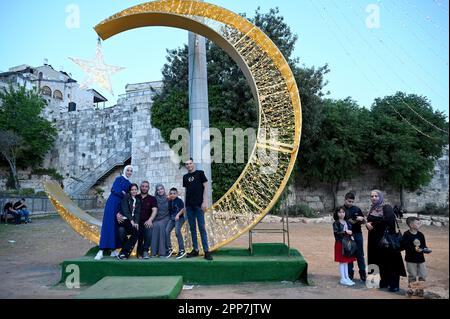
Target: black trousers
{"x":144,"y":239}
{"x":128,"y":230}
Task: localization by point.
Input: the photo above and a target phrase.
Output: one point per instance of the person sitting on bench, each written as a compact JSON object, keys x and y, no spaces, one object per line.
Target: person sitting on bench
{"x":21,"y":208}
{"x":8,"y":209}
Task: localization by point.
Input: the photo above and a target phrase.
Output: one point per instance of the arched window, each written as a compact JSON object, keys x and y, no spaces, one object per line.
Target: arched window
{"x":72,"y":107}
{"x":46,"y":91}
{"x":57,"y":95}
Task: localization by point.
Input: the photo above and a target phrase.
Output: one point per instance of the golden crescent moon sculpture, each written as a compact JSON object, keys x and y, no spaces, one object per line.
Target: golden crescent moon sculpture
{"x":274,"y":88}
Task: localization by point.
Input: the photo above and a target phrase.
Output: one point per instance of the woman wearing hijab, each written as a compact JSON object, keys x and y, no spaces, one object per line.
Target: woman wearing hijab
{"x":159,"y":245}
{"x":381,"y":217}
{"x":109,"y":237}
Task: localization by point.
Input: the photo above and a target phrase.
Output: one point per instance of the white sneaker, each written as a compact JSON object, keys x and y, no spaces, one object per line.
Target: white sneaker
{"x":114,"y":253}
{"x":99,"y":255}
{"x":350,"y":282}
{"x":345,"y":282}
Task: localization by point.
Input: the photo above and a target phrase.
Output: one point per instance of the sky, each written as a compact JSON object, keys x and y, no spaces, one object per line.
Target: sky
{"x":373,"y":48}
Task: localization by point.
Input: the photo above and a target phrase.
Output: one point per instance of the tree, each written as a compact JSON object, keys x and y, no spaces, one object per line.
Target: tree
{"x":407,"y":137}
{"x":231,"y":102}
{"x":11,"y":145}
{"x":20,"y":113}
{"x":339,"y":150}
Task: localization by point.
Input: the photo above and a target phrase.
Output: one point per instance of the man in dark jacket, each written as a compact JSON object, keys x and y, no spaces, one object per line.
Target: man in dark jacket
{"x":355,"y":217}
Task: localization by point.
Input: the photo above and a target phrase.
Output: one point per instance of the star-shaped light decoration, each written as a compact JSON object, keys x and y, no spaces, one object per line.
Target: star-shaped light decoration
{"x":97,"y":71}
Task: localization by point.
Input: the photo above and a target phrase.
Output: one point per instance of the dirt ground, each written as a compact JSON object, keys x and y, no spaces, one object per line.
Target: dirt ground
{"x":30,"y":256}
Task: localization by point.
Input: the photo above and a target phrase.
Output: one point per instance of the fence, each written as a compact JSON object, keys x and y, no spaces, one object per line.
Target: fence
{"x":41,"y":204}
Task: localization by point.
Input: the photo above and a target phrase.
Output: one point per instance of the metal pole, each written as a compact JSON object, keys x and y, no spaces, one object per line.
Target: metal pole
{"x":200,"y":142}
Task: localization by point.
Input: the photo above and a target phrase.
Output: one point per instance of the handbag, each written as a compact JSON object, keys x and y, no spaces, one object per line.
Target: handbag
{"x":391,"y":241}
{"x":349,"y":247}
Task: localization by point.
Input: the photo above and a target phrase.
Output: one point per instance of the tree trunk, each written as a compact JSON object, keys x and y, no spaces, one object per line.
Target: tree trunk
{"x":402,"y":200}
{"x":13,"y":167}
{"x":334,"y":188}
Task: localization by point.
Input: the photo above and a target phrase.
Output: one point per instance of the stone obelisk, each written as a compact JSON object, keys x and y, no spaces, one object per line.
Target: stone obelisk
{"x":198,"y":107}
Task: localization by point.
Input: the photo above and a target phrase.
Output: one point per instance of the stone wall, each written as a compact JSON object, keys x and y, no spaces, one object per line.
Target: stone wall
{"x":88,"y":138}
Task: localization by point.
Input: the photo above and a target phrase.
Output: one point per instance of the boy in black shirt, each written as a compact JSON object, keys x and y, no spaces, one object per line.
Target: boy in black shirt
{"x":355,"y":217}
{"x":415,"y":247}
{"x":196,"y":185}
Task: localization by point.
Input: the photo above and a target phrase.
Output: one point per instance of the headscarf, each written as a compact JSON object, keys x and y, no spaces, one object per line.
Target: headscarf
{"x":124,"y":173}
{"x":377,"y":208}
{"x":163,"y":202}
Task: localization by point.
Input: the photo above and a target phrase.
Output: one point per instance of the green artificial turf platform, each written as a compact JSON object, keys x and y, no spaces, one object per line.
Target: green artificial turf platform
{"x":268,"y":263}
{"x":163,"y":287}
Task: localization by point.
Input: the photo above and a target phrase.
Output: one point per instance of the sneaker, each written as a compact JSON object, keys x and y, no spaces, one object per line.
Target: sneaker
{"x":344,"y":282}
{"x":146,"y":256}
{"x":169,"y":252}
{"x":208,"y":256}
{"x":122,"y":257}
{"x":351,"y":282}
{"x":181,"y":254}
{"x":99,"y":255}
{"x":114,"y":253}
{"x":193,"y":253}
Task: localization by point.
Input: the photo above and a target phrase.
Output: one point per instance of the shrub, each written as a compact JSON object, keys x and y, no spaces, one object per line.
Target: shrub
{"x":299,"y":210}
{"x":20,"y":192}
{"x":434,"y":209}
{"x":50,"y":172}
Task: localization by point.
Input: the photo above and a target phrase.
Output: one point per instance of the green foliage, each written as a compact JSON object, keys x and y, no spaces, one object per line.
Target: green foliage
{"x":20,"y":192}
{"x":52,"y":172}
{"x":20,"y":112}
{"x":405,"y":154}
{"x":339,"y":149}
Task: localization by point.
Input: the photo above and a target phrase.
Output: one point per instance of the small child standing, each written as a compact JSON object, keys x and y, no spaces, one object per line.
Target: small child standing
{"x":177,"y":220}
{"x":415,"y":247}
{"x":341,"y":229}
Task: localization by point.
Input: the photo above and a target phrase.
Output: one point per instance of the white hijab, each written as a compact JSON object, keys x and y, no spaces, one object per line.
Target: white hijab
{"x":124,"y":173}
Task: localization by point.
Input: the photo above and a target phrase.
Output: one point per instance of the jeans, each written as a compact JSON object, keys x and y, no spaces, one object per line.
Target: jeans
{"x":25,"y":213}
{"x":144,"y":239}
{"x":359,"y":257}
{"x":129,"y":230}
{"x":195,"y":214}
{"x":177,"y":225}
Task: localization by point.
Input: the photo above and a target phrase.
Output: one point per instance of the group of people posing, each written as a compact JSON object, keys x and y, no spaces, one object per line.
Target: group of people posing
{"x":380,"y":221}
{"x":133,"y":216}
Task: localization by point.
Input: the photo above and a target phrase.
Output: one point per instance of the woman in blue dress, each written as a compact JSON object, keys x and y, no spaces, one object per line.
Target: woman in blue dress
{"x":109,"y":237}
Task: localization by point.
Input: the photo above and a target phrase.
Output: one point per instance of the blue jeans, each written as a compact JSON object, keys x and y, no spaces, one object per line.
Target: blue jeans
{"x":195,"y":214}
{"x":359,"y":257}
{"x":177,"y":225}
{"x":25,"y":213}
